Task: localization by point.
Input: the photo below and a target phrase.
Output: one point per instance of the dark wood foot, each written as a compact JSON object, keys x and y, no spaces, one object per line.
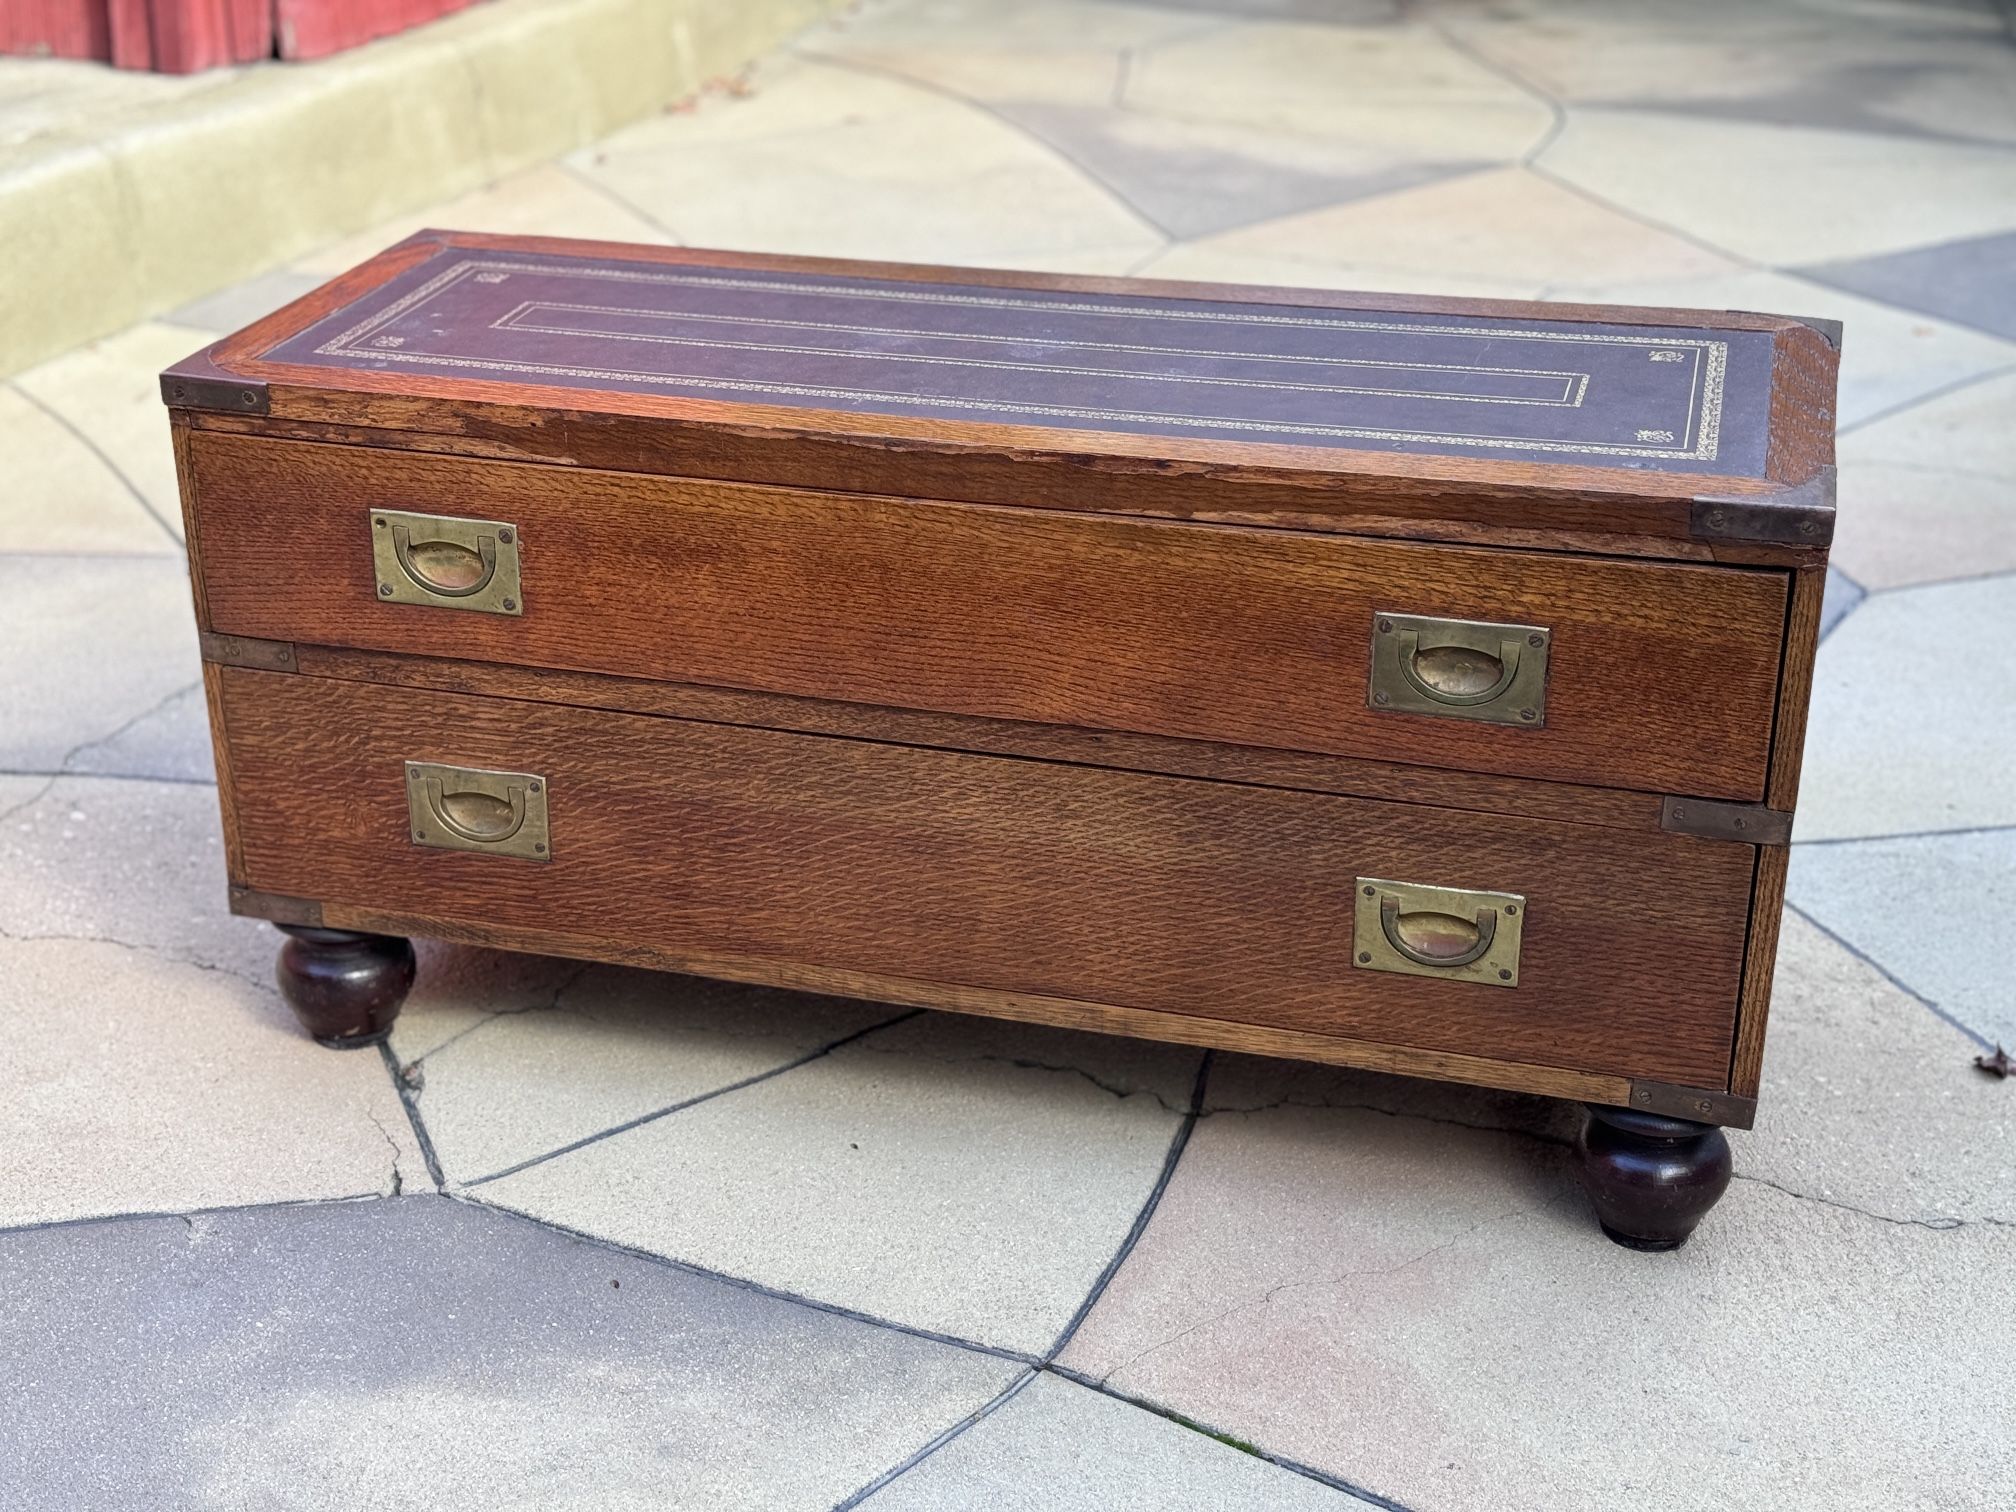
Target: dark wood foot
{"x":1652,"y":1178}
{"x":345,"y":987}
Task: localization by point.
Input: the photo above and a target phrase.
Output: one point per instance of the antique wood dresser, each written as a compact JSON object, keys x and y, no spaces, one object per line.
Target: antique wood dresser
{"x":1415,"y":684}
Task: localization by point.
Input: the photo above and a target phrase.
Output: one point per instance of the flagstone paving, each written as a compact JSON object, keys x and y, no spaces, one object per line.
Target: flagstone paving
{"x":583,"y":1236}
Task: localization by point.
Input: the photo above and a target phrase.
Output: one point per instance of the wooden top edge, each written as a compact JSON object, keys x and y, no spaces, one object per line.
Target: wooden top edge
{"x":326,"y":394}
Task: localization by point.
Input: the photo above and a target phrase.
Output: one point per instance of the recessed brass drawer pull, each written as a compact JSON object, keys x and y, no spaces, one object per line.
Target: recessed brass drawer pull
{"x":446,"y":562}
{"x":1447,"y":932}
{"x":1463,"y":669}
{"x":467,"y":808}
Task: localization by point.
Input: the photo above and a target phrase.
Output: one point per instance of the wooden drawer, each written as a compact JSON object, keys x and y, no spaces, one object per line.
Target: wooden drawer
{"x":1196,"y":898}
{"x":1660,"y":676}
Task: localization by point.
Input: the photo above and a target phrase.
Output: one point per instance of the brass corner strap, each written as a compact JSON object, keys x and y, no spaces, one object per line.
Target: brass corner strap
{"x":247,"y":651}
{"x":1801,"y":515}
{"x":278,"y":908}
{"x":1745,"y":823}
{"x":1696,"y":1103}
{"x":200,"y":384}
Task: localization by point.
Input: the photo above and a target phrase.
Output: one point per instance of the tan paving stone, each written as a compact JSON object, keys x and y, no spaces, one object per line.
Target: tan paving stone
{"x":110,"y":391}
{"x":155,"y":1086}
{"x":1782,"y":194}
{"x":1507,"y":226}
{"x":1901,"y":525}
{"x":61,"y":496}
{"x":605,"y":1046}
{"x":1889,"y":356}
{"x":1872,"y":1101}
{"x":1904,"y":734}
{"x":543,"y":201}
{"x":135,"y":863}
{"x":940,"y":182}
{"x":1966,"y":431}
{"x":91,"y":645}
{"x":984,"y":25}
{"x":1402,"y":88}
{"x":1430,"y":1312}
{"x":950,"y":1174}
{"x":1058,"y":1447}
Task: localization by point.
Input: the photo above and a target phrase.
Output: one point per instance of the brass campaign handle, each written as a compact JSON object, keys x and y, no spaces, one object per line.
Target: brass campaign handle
{"x":485,"y":819}
{"x":1454,"y":934}
{"x":1449,"y":675}
{"x":475,"y":809}
{"x":1485,"y":930}
{"x":445,"y":562}
{"x":1460,"y":669}
{"x":454,"y":556}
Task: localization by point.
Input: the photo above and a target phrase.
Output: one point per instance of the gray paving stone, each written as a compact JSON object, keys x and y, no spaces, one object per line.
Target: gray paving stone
{"x":423,"y":1353}
{"x":1912,"y":725}
{"x":1971,"y":282}
{"x":1843,"y":594}
{"x":1193,"y":180}
{"x":1058,"y":1447}
{"x":93,"y":646}
{"x":1933,"y":911}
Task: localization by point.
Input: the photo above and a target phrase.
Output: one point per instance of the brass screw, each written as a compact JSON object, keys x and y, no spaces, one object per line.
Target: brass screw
{"x":381,"y":524}
{"x":1385,"y":627}
{"x":384,"y":590}
{"x":1704,"y":1106}
{"x":1529,"y":715}
{"x":1379,"y":698}
{"x":533,"y":786}
{"x":246,"y":396}
{"x":1364,"y":958}
{"x":1536,"y":640}
{"x":180,"y":391}
{"x":1371,"y":891}
{"x":1504,"y":976}
{"x":510,"y":604}
{"x":539,"y":848}
{"x":1643,"y":1097}
{"x":1510,"y":909}
{"x":504,"y":536}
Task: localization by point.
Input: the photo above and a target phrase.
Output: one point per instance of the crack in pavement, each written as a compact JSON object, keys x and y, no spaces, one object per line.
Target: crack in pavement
{"x":1267,"y":1297}
{"x":156,"y":952}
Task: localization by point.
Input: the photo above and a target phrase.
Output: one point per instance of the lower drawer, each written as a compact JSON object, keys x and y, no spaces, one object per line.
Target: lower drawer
{"x":1193,"y":897}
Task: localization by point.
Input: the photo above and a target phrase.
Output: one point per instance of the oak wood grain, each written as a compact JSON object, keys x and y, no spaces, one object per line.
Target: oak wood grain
{"x":1204,"y":899}
{"x":1063,"y":1013}
{"x":1662,"y":676}
{"x":1353,"y":777}
{"x":1760,"y":965}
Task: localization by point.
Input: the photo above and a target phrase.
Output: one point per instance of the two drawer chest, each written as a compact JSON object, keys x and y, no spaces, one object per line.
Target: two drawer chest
{"x":1414,"y":684}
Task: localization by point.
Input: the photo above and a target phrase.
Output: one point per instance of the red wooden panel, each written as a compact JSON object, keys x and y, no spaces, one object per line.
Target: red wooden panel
{"x":55,"y":28}
{"x":189,"y":35}
{"x":316,"y":28}
{"x":132,"y":28}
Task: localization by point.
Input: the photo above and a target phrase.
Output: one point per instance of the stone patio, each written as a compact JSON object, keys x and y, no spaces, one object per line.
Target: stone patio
{"x":589,"y":1237}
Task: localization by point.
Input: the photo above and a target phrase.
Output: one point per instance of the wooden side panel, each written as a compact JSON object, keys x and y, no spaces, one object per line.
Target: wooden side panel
{"x":1662,"y":676}
{"x":1788,"y":749}
{"x":1205,"y":899}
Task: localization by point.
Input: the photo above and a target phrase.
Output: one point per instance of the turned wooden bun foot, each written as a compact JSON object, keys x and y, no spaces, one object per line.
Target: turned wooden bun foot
{"x":345,"y":987}
{"x":1652,"y":1178}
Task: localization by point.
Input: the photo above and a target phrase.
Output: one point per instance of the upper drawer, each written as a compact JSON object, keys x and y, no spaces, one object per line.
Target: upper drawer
{"x":1657,"y":676}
